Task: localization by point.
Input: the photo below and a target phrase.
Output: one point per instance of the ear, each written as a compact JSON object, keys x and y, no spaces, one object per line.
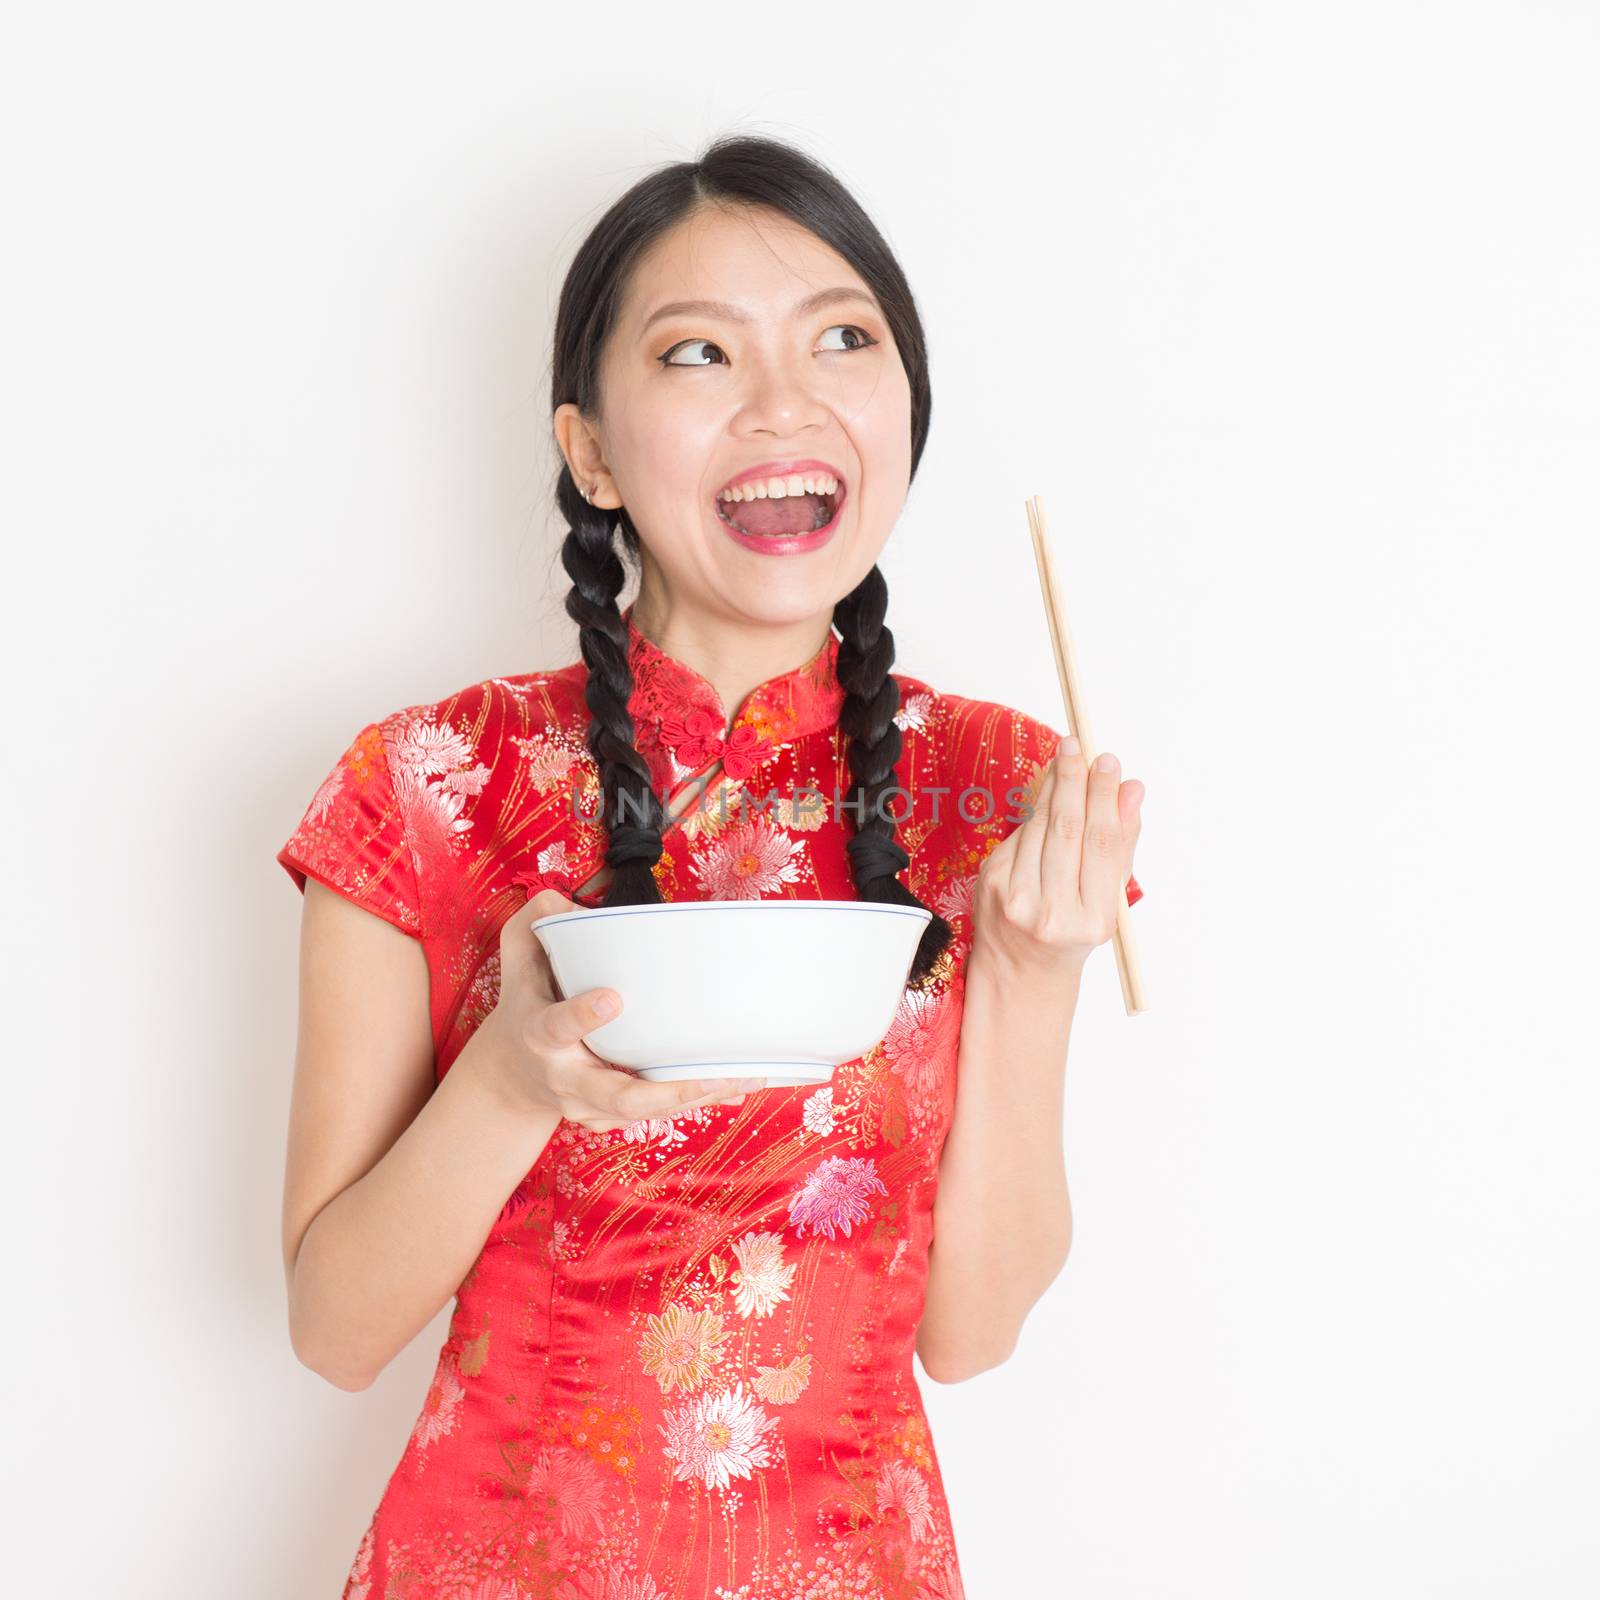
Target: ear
{"x":580,"y":445}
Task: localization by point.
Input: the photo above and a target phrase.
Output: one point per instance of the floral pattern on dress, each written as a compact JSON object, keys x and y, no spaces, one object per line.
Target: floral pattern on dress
{"x":750,"y":861}
{"x":441,"y":1410}
{"x":682,"y":1360}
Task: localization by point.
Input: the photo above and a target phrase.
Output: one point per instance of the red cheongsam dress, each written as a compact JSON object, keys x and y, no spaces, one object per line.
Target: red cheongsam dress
{"x":680,"y":1368}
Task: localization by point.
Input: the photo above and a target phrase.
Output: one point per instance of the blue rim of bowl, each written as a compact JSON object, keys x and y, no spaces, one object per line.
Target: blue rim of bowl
{"x":868,"y":906}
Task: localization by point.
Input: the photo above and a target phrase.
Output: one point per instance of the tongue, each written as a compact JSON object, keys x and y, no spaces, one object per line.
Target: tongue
{"x":790,"y":514}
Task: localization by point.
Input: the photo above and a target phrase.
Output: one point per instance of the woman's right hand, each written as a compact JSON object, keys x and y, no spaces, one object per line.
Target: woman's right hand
{"x":534,"y":1042}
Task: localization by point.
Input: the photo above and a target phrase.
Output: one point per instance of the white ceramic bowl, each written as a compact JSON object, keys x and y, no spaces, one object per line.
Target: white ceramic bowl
{"x":783,"y":990}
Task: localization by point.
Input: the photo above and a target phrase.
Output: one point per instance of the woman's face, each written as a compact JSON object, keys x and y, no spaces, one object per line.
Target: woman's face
{"x":693,"y":398}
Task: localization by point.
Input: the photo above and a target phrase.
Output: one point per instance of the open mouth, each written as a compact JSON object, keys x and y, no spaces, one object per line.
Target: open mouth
{"x":786,"y":517}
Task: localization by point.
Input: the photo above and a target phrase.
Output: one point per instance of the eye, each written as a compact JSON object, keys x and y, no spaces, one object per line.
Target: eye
{"x":863,"y":341}
{"x":667,"y":360}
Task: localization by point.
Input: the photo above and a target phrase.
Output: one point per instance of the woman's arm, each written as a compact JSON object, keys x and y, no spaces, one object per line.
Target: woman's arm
{"x":392,"y":1184}
{"x":1046,"y":896}
{"x":1002,"y":1215}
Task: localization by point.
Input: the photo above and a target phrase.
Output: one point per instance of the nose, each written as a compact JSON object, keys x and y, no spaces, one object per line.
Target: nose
{"x":783,"y":398}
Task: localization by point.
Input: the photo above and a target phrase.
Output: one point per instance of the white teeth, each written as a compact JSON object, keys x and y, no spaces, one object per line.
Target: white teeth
{"x":778,"y":488}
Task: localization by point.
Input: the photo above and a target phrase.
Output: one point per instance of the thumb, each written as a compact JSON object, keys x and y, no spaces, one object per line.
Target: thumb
{"x":522,"y":957}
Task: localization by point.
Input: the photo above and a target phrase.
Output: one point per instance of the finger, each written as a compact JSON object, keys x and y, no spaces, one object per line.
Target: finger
{"x":1028,"y":849}
{"x":562,"y":1024}
{"x":1130,"y":805}
{"x":629,"y":1097}
{"x":708,"y":1092}
{"x":1103,"y":870}
{"x":530,"y":958}
{"x":547,"y":903}
{"x":1062,"y":861}
{"x":1130,"y":810}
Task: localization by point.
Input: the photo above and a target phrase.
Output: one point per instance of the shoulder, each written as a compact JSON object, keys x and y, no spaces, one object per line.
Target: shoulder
{"x":974,"y":767}
{"x":469,"y":767}
{"x":466,"y":767}
{"x":483,"y":781}
{"x":484,"y":721}
{"x":972,"y":737}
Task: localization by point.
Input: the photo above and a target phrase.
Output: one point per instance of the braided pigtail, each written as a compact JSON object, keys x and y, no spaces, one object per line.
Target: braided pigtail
{"x":752,"y":176}
{"x":632,"y":812}
{"x":872,"y":697}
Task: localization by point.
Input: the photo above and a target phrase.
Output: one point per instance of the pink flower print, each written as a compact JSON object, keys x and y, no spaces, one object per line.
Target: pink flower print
{"x":611,"y":1584}
{"x":547,"y":760}
{"x":484,"y":994}
{"x":490,"y":1588}
{"x":804,"y":811}
{"x":441,"y":1410}
{"x":680,"y":1347}
{"x":425,"y":749}
{"x":835,"y":1195}
{"x":433,"y":772}
{"x":325,"y":795}
{"x":782,"y":1386}
{"x":902,"y":1489}
{"x":762,"y":1277}
{"x":717,"y":1437}
{"x":750,"y":860}
{"x":914,"y":714}
{"x":442,"y":807}
{"x":816,"y":1112}
{"x":667,"y":1131}
{"x":564,"y":1489}
{"x":943,"y":1583}
{"x":955,"y":899}
{"x":921,"y":1038}
{"x":469,"y":780}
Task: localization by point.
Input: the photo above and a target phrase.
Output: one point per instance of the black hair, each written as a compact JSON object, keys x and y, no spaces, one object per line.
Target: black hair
{"x":736,"y":170}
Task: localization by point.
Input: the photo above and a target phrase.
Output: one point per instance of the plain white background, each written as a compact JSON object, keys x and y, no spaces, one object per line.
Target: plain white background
{"x":1290,"y":314}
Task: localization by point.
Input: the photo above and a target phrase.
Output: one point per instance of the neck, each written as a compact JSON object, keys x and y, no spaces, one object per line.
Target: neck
{"x":735,"y":654}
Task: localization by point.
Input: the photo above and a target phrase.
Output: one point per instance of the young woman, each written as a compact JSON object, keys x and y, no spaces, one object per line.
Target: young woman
{"x":680,"y":1357}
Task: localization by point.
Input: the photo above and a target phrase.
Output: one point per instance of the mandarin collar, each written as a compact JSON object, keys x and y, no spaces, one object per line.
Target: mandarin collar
{"x":676,"y":709}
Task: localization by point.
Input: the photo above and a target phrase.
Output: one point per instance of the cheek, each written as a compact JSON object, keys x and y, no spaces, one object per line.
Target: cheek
{"x":885,"y":446}
{"x":876,"y":407}
{"x":659,"y":452}
{"x":873,"y":394}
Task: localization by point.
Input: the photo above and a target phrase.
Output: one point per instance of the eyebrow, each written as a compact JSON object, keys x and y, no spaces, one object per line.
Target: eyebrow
{"x":720,"y":308}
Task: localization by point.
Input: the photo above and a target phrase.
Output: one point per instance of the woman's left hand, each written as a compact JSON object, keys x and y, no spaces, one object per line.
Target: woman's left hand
{"x":1049,"y":892}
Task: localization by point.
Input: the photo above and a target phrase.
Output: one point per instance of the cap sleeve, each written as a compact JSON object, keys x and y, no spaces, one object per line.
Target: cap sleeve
{"x":1033,"y":745}
{"x":353,"y":836}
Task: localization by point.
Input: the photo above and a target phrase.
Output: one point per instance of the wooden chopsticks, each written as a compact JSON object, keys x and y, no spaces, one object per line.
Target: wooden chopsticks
{"x":1134,"y":999}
